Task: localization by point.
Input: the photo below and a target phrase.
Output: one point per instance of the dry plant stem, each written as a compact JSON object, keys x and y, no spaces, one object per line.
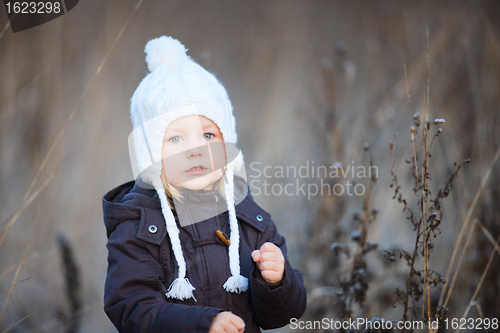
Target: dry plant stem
{"x":423,"y":211}
{"x":7,"y":25}
{"x":6,"y":113}
{"x":2,"y":314}
{"x":361,"y":244}
{"x":26,"y":204}
{"x":438,"y":39}
{"x":426,"y":273}
{"x":425,"y":167}
{"x":415,"y":250}
{"x":22,"y":206}
{"x":492,"y":255}
{"x":489,"y":236}
{"x":392,"y":152}
{"x":428,"y":67}
{"x":464,"y":250}
{"x":7,"y":272}
{"x":11,"y":304}
{"x":412,"y":268}
{"x":493,"y":38}
{"x":424,"y":198}
{"x":16,"y":323}
{"x":479,"y":310}
{"x":395,"y":179}
{"x":365,"y":223}
{"x":432,"y":141}
{"x":466,"y":221}
{"x":53,"y":323}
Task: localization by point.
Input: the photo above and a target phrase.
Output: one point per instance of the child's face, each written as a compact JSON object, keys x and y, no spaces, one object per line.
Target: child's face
{"x":193,"y":154}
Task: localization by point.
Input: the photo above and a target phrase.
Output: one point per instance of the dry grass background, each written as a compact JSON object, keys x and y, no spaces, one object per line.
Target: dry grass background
{"x":298,"y":95}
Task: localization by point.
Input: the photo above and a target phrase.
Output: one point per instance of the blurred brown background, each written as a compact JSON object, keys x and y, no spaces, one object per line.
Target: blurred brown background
{"x":309,"y":81}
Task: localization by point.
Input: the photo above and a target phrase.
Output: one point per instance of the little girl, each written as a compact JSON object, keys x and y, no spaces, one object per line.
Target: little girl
{"x":188,"y":248}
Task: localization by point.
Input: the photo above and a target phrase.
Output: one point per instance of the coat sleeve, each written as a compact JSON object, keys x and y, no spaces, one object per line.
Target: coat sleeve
{"x":133,"y":297}
{"x":274,"y":305}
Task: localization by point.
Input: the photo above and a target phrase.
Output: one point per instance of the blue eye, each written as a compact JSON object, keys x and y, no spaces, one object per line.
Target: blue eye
{"x":175,"y":139}
{"x":208,"y":136}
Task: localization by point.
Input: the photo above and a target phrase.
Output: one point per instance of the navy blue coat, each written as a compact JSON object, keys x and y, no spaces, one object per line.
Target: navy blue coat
{"x":141,"y":267}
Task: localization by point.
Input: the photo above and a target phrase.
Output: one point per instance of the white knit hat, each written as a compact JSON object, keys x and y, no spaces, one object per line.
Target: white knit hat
{"x":176,"y":87}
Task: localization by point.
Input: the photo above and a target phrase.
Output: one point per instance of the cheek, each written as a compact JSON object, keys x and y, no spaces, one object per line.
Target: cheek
{"x":171,"y":160}
{"x":218,"y":154}
{"x":166,"y":151}
{"x":172,"y":172}
{"x":170,"y":151}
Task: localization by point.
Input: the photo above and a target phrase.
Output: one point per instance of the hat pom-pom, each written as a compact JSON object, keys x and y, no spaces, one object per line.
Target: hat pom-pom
{"x":163,"y":50}
{"x":180,"y":289}
{"x":236,"y":284}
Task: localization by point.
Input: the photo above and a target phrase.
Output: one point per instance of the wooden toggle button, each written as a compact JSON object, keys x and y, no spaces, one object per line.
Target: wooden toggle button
{"x":219,"y":234}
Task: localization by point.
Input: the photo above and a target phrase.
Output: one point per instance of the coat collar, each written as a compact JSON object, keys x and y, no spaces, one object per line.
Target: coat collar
{"x":130,"y":201}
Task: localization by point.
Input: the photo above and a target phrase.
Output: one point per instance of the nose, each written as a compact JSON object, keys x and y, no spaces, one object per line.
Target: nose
{"x":195,"y":152}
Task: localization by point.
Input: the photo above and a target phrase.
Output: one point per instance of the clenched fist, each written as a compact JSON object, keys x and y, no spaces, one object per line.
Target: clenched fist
{"x":270,"y":262}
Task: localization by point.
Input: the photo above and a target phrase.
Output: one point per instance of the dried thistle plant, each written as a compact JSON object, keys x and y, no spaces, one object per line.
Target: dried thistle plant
{"x":426,"y":219}
{"x":352,"y":289}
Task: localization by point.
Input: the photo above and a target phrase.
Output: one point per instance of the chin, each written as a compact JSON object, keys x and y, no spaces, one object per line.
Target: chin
{"x":200,"y":182}
{"x":194,"y":186}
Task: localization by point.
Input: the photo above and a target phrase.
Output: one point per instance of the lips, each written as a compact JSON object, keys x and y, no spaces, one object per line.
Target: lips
{"x":198,"y":167}
{"x":196,"y":170}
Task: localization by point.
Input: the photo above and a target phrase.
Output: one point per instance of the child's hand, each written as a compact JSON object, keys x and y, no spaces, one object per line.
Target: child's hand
{"x":270,"y":262}
{"x":227,"y":322}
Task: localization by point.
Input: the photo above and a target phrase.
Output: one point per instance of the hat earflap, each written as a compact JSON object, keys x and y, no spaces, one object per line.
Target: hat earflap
{"x":180,"y":288}
{"x":236,"y":283}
